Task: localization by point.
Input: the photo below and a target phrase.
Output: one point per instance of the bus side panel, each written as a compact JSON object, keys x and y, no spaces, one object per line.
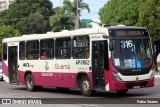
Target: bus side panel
{"x":44,"y":78}
{"x":53,"y":79}
{"x":21,"y":78}
{"x":5,"y":69}
{"x":40,"y":78}
{"x":67,"y":80}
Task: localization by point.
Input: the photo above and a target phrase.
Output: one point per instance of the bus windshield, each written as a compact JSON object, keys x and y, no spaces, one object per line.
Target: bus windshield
{"x":132,"y":53}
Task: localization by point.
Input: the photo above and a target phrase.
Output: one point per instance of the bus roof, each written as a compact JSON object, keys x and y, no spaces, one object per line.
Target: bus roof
{"x":66,"y":33}
{"x":125,"y":27}
{"x":84,"y":31}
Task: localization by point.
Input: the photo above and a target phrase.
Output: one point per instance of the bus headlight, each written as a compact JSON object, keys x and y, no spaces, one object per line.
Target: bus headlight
{"x":117,"y":77}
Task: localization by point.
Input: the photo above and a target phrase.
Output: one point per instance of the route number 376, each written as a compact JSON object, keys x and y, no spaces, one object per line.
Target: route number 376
{"x":126,"y":44}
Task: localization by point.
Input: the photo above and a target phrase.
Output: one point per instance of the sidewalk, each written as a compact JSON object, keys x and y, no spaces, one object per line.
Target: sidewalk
{"x":157,"y":74}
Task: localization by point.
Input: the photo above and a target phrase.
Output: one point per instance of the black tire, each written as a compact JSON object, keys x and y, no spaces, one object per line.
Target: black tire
{"x":122,"y":91}
{"x":30,"y":83}
{"x":85,"y":86}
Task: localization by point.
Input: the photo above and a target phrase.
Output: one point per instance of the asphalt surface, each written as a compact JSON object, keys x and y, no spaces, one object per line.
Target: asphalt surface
{"x":69,"y":98}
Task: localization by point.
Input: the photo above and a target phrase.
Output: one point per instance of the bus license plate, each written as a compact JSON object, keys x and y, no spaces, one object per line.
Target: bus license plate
{"x":136,"y":87}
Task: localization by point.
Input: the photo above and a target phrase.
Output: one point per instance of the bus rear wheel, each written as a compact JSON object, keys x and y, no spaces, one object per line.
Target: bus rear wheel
{"x":85,"y":86}
{"x":30,"y":83}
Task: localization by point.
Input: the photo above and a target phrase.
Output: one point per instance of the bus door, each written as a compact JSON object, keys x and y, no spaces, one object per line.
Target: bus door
{"x":99,"y":54}
{"x":12,"y":64}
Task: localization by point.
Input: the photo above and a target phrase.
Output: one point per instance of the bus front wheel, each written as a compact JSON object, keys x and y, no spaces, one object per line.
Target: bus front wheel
{"x":85,"y":86}
{"x":30,"y":83}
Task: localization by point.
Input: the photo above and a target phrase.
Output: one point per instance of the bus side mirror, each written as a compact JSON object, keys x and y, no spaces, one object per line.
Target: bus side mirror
{"x":111,"y":46}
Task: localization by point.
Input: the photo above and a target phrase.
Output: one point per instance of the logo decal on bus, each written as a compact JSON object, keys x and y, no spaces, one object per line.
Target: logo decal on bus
{"x":28,"y":65}
{"x":62,"y":66}
{"x":47,"y":74}
{"x":46,"y":66}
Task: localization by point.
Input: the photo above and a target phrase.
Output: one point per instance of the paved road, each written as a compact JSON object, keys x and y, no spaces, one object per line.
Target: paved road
{"x":71,"y":96}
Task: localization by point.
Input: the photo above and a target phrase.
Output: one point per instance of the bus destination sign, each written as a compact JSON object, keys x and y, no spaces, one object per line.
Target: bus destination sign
{"x":129,"y":32}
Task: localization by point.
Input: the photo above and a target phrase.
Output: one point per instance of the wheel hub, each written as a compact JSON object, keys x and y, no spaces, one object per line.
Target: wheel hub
{"x":30,"y":83}
{"x":85,"y":86}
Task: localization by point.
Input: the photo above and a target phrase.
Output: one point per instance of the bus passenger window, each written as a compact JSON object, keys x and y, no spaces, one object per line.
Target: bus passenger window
{"x":35,"y":55}
{"x":63,"y":48}
{"x":44,"y":56}
{"x":86,"y":53}
{"x":30,"y":56}
{"x":5,"y":51}
{"x":32,"y":48}
{"x":47,"y":48}
{"x":81,"y":47}
{"x":78,"y":53}
{"x":22,"y":54}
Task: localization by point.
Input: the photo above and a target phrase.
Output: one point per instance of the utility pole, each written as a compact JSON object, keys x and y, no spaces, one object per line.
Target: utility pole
{"x":77,"y":16}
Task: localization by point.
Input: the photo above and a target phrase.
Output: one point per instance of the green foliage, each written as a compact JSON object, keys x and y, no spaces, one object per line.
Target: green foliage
{"x":120,"y":12}
{"x":70,"y":7}
{"x":64,"y":17}
{"x":7,"y":31}
{"x":34,"y":24}
{"x":85,"y":25}
{"x":145,"y":13}
{"x":61,"y":22}
{"x":150,"y":18}
{"x":28,"y":16}
{"x":158,"y":63}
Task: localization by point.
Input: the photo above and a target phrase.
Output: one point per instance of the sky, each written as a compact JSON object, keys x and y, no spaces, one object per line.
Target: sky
{"x":94,"y":6}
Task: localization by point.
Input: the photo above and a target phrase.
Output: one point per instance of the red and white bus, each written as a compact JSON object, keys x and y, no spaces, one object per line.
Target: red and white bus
{"x":115,"y":58}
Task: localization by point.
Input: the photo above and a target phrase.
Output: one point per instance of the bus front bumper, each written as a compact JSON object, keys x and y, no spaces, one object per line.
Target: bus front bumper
{"x":115,"y":85}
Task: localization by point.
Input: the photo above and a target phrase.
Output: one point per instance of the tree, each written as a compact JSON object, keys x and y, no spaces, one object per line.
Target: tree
{"x":71,"y":7}
{"x":28,"y":15}
{"x":34,"y":24}
{"x":120,"y":12}
{"x":61,"y":21}
{"x":144,"y":13}
{"x":7,"y":31}
{"x":150,"y":18}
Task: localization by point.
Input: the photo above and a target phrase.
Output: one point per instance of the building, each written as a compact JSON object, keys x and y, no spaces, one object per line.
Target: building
{"x":4,"y":4}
